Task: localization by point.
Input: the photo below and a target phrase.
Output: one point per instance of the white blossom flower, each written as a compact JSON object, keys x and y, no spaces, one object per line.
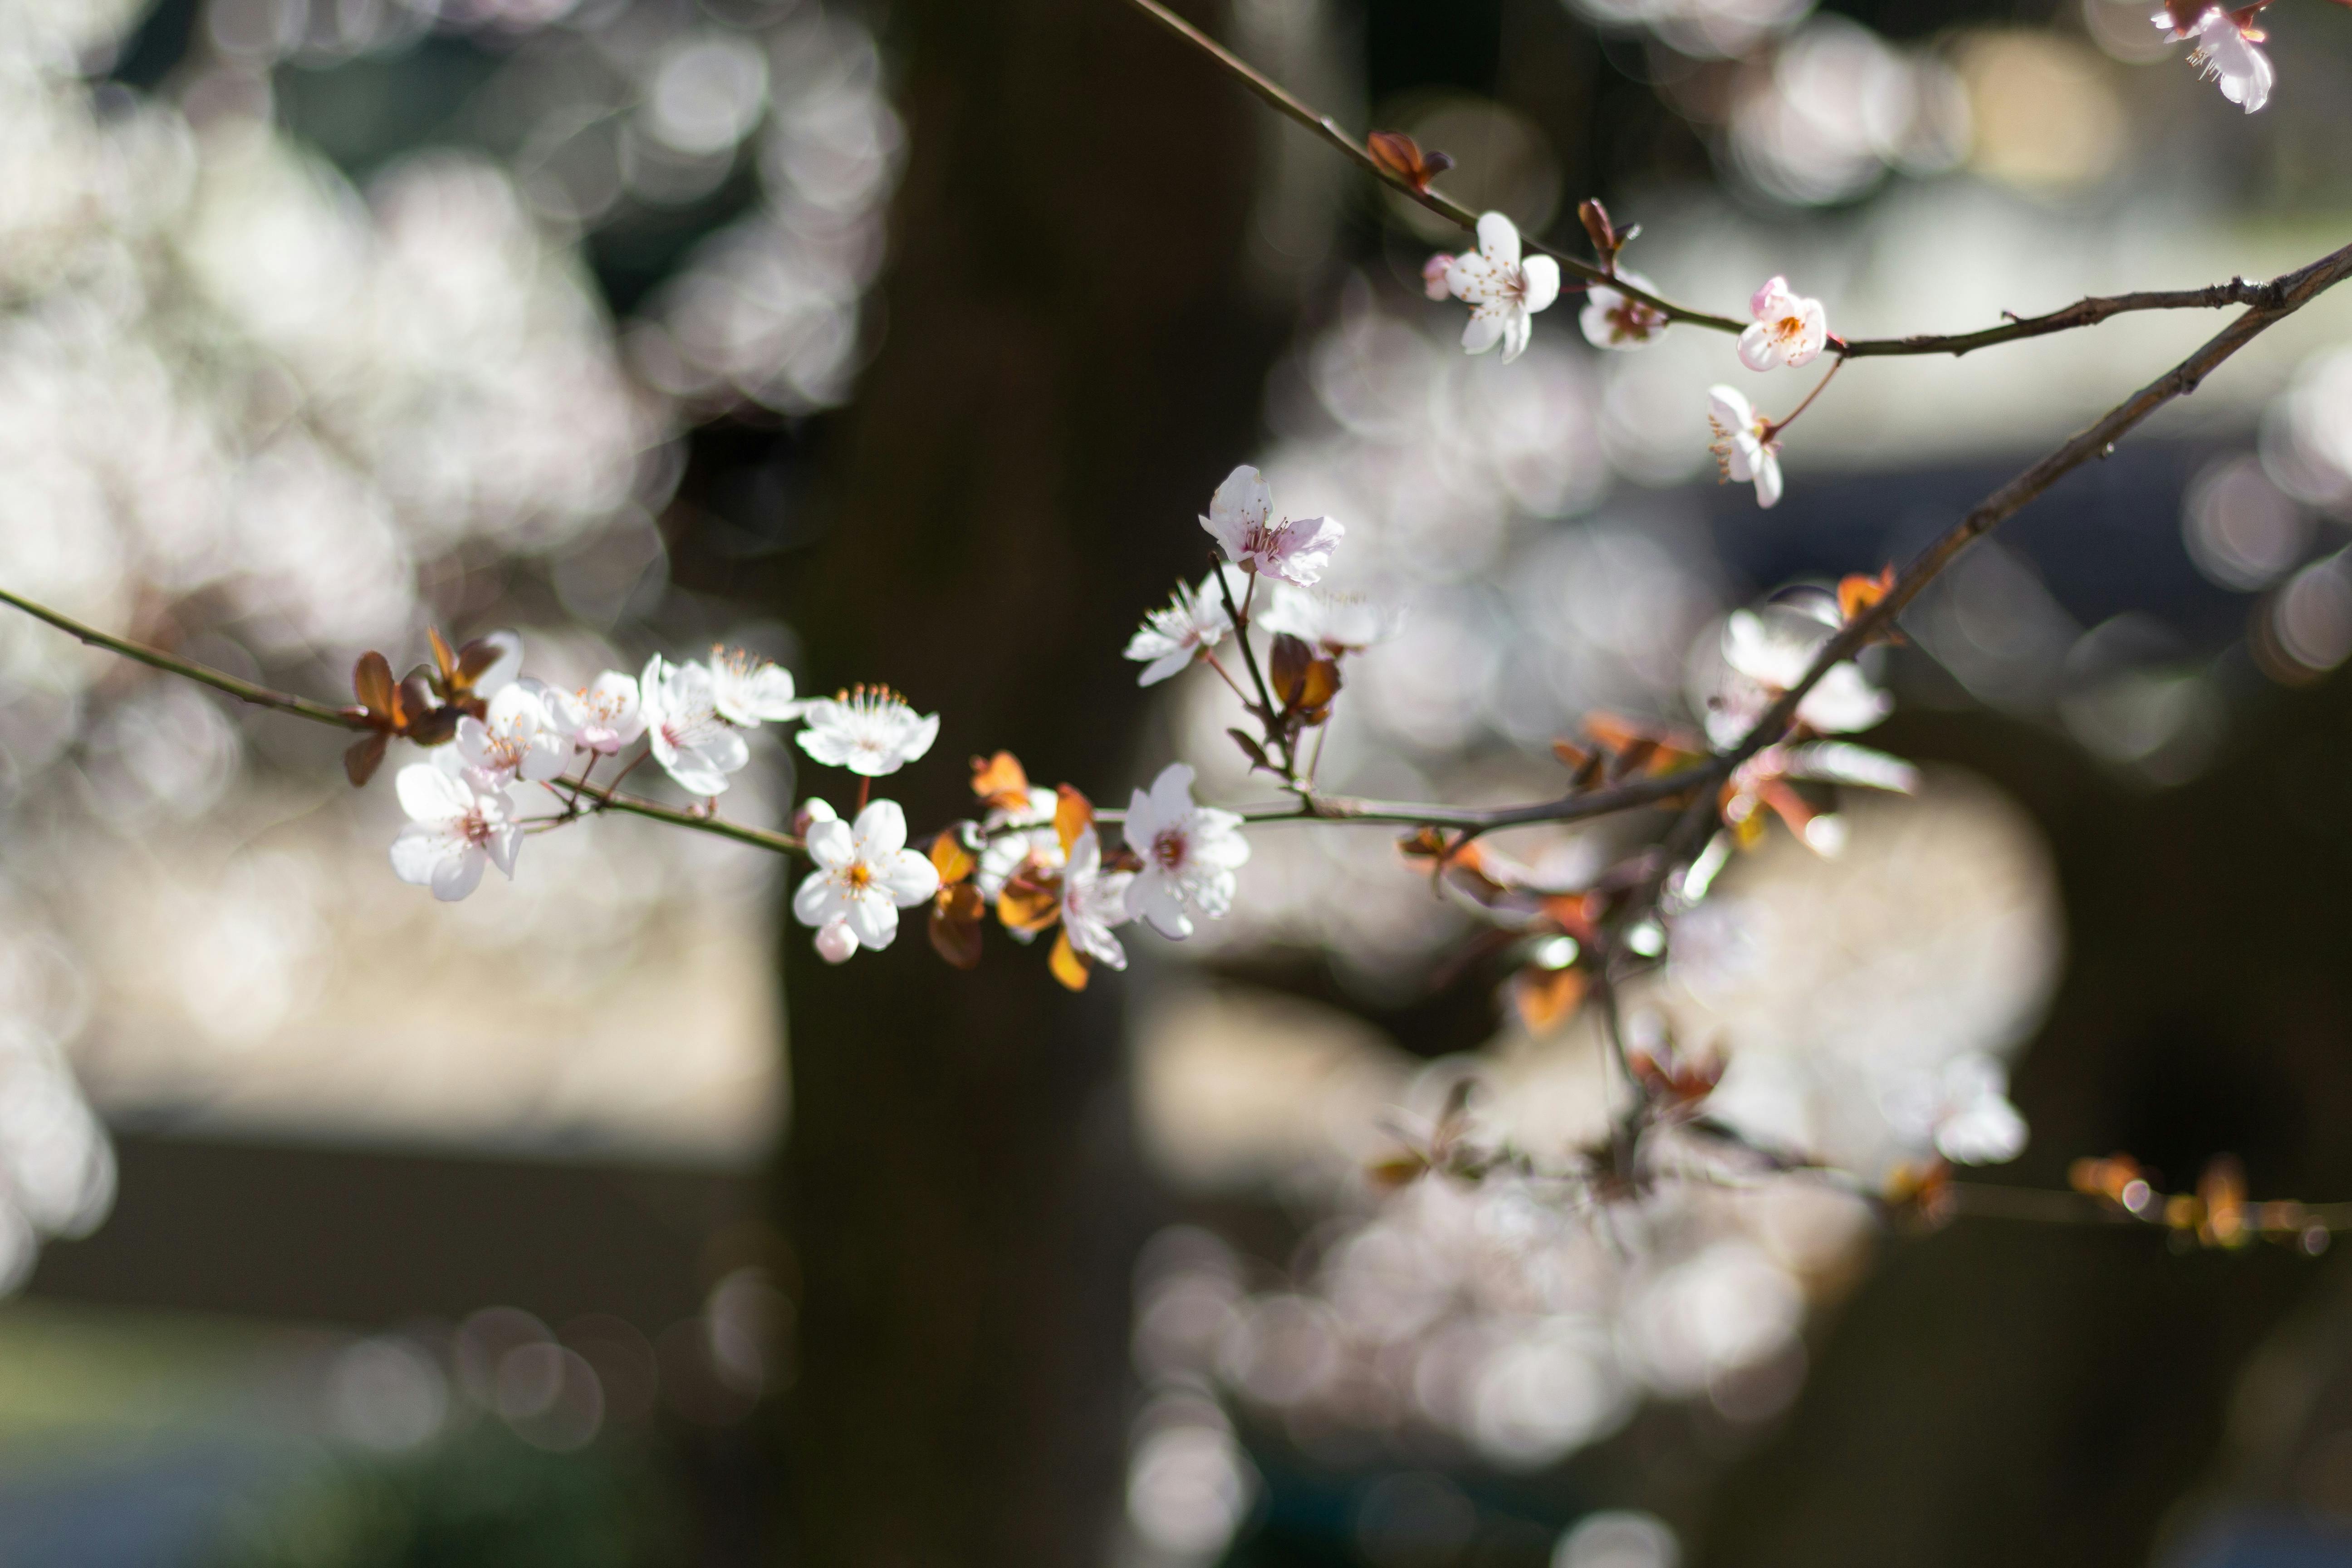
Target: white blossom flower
{"x":2227,"y":51}
{"x":868,"y":729}
{"x":1744,"y":448}
{"x":864,"y":875}
{"x":1612,"y":319}
{"x":1962,"y":1109}
{"x":1012,"y":834}
{"x":1789,"y":329}
{"x":1093,"y":901}
{"x":1503,"y":292}
{"x":605,"y":716}
{"x":1190,"y":854}
{"x":691,"y":740}
{"x":457,"y":824}
{"x":1335,"y":623}
{"x":747,"y":689}
{"x":1171,"y":638}
{"x":1764,"y":658}
{"x":518,"y":739}
{"x":1241,"y":520}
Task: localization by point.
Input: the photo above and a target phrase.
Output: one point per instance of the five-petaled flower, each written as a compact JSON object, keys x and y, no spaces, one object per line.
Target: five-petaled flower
{"x":1765,"y":658}
{"x":747,"y":689}
{"x":1744,"y":447}
{"x":517,"y":738}
{"x":1193,"y":622}
{"x":1190,"y":854}
{"x":868,"y":729}
{"x":2227,"y":50}
{"x":691,"y":740}
{"x":1789,"y":329}
{"x":1241,"y":520}
{"x":457,"y":824}
{"x":864,"y":875}
{"x":605,"y":716}
{"x":1614,"y":320}
{"x":1503,"y":293}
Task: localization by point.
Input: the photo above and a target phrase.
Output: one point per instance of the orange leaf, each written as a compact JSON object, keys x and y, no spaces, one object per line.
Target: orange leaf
{"x":1000,"y":782}
{"x":1546,"y":998}
{"x":950,"y":858}
{"x":1423,"y":843}
{"x":1069,"y":964}
{"x":1856,"y":592}
{"x":1073,"y":815}
{"x":1574,"y":913}
{"x":1030,"y":901}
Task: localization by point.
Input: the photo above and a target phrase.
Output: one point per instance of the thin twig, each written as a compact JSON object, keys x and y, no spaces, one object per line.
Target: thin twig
{"x":203,"y":675}
{"x":2085,"y":312}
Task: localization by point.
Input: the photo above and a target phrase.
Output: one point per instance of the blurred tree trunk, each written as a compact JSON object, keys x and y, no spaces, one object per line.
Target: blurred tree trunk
{"x":1070,"y":364}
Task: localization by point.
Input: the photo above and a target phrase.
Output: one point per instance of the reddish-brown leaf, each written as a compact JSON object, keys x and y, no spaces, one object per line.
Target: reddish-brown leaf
{"x":373,"y":684}
{"x":365,"y":757}
{"x":956,"y":917}
{"x":1285,"y":671}
{"x":1400,"y":156}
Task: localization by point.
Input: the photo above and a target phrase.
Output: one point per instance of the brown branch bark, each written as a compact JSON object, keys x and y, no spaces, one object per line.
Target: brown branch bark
{"x":2085,"y":312}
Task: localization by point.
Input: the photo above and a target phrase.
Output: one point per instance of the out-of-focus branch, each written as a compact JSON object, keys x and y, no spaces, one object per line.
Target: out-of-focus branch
{"x":204,"y":675}
{"x":2284,"y":295}
{"x":2086,"y":312}
{"x":1444,"y":205}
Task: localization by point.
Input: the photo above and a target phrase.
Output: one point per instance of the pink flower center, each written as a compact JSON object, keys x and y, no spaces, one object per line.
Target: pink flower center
{"x":1170,"y":847}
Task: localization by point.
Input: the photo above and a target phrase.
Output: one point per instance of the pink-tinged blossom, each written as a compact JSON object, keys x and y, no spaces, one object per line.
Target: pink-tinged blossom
{"x":2228,"y":52}
{"x":1190,"y":854}
{"x":835,"y":943}
{"x":864,"y":875}
{"x":748,"y":691}
{"x":1334,"y":622}
{"x":1434,"y":275}
{"x":1744,"y":448}
{"x":689,"y":740}
{"x":1503,"y":292}
{"x":605,"y":716}
{"x":868,"y":729}
{"x":1789,"y":329}
{"x":1093,"y":901}
{"x":1241,"y":520}
{"x":1612,"y":319}
{"x":518,"y":739}
{"x":1171,"y":638}
{"x":457,"y":824}
{"x":1765,"y":658}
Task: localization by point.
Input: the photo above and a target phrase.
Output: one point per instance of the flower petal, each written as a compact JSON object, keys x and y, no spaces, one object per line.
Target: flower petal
{"x":881,"y":829}
{"x":1499,"y":239}
{"x":1542,"y":274}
